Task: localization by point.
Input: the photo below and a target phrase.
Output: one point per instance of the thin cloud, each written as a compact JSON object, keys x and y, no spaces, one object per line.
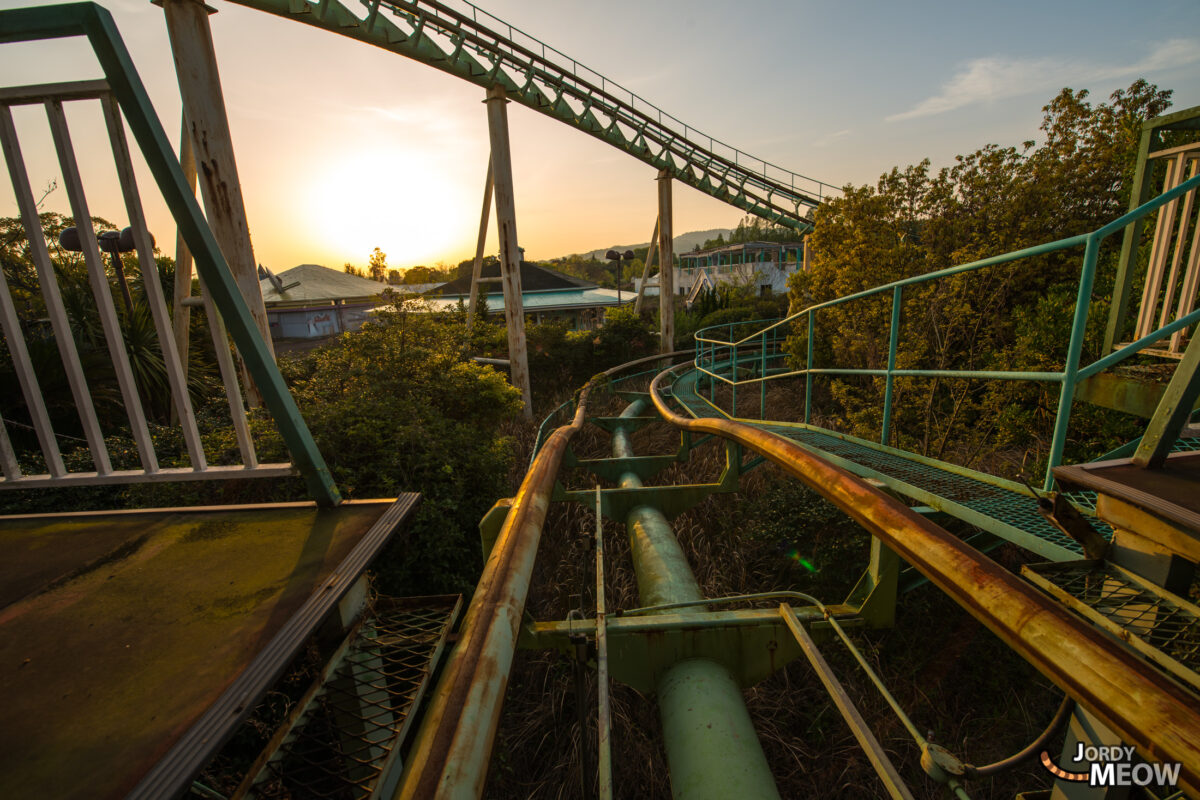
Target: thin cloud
{"x":987,"y":79}
{"x":829,"y":139}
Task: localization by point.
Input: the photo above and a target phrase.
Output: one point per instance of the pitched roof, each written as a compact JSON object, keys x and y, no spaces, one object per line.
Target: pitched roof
{"x":534,"y":278}
{"x":312,"y":282}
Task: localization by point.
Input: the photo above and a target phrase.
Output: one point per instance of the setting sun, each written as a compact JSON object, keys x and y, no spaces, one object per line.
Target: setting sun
{"x":393,"y":200}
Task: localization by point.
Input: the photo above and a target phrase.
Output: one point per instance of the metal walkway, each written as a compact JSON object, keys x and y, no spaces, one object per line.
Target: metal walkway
{"x":981,"y":500}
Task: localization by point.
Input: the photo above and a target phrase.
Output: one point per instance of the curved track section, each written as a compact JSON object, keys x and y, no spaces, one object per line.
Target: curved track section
{"x":467,"y":42}
{"x":1147,"y":708}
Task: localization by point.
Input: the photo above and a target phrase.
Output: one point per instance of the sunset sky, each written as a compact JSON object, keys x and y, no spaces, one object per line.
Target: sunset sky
{"x":343,"y":147}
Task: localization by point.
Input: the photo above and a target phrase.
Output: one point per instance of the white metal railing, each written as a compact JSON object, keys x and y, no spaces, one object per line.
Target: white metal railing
{"x":52,"y":97}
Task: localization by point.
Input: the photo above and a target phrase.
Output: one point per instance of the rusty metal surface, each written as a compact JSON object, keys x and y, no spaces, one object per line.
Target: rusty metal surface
{"x":106,"y":666}
{"x":1148,"y":709}
{"x":451,"y":755}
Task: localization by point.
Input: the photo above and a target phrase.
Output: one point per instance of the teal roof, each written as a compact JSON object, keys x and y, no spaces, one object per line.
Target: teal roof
{"x":554,"y":300}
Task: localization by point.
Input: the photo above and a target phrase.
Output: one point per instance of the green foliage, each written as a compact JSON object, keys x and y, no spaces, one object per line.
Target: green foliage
{"x":1015,"y":316}
{"x":753,"y":229}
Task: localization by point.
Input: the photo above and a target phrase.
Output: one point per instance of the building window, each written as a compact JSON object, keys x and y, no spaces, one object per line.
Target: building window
{"x":764,"y":290}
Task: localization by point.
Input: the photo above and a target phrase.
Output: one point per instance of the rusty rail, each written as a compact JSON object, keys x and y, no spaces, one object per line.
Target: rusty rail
{"x":453,"y":748}
{"x":1148,"y":709}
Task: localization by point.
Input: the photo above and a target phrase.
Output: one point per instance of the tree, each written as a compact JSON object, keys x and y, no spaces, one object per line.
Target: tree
{"x":992,"y":201}
{"x":350,"y":269}
{"x":377,"y":266}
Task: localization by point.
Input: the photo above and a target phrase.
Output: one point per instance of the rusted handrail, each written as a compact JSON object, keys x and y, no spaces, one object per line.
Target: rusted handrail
{"x":1145,"y":707}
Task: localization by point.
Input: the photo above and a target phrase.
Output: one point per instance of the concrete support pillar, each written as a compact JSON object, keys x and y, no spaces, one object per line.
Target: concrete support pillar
{"x":666,"y":265}
{"x":510,"y":255}
{"x":477,"y":267}
{"x":204,"y":110}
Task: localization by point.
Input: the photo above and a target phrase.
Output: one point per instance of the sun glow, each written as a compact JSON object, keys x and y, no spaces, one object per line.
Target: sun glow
{"x":393,"y":200}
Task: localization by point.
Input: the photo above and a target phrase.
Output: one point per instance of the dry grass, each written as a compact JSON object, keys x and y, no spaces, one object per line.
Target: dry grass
{"x":954,"y":678}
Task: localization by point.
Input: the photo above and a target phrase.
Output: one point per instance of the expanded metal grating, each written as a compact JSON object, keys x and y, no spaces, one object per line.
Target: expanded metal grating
{"x":1013,"y":509}
{"x":1159,"y":625}
{"x":342,"y":742}
{"x":1186,"y":444}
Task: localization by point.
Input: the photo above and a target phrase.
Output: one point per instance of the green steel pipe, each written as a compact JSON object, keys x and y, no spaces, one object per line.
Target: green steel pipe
{"x":663,"y":573}
{"x":712,"y":748}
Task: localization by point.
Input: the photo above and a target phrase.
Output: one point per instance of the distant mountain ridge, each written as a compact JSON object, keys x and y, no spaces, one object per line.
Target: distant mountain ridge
{"x":683,"y":243}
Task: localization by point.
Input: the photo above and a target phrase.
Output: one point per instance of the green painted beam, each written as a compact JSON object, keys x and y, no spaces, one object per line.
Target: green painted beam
{"x":1173,"y":410}
{"x":1128,"y":393}
{"x":645,"y":467}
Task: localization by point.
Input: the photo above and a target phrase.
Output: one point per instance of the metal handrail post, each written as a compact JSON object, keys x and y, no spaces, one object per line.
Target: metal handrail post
{"x":1071,"y":368}
{"x":808,"y":372}
{"x":733,"y":379}
{"x":762,"y":379}
{"x":891,"y":366}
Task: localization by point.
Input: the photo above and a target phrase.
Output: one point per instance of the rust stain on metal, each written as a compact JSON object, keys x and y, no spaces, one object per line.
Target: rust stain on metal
{"x":1145,"y":707}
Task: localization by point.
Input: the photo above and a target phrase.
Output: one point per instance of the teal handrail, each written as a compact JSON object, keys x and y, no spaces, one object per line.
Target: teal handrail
{"x":709,"y":363}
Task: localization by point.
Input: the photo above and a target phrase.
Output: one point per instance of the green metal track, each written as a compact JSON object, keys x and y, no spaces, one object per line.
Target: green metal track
{"x":979,"y":499}
{"x":467,"y":42}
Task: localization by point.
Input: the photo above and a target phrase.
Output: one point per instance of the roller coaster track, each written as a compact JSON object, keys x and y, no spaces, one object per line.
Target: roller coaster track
{"x":467,"y":42}
{"x":691,"y":650}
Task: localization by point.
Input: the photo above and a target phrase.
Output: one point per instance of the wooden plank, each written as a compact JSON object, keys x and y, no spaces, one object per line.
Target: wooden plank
{"x":650,"y":252}
{"x":151,"y":281}
{"x":1191,"y":284}
{"x":1177,"y":257}
{"x":477,"y":266}
{"x":100,"y":287}
{"x":40,"y":93}
{"x":204,"y":106}
{"x":8,"y":459}
{"x":666,"y":265}
{"x":1158,"y":252}
{"x":48,"y":281}
{"x":183,"y":256}
{"x":510,"y":253}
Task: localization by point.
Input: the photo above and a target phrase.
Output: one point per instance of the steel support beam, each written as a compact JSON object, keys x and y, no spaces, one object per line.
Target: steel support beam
{"x":510,"y":254}
{"x":212,"y":143}
{"x":666,"y":265}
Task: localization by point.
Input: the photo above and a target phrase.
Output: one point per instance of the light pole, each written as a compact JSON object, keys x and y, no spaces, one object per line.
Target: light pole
{"x":626,"y":256}
{"x":615,"y":257}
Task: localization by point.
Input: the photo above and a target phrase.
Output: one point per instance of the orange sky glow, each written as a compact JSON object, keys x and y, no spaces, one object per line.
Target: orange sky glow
{"x":343,"y":147}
